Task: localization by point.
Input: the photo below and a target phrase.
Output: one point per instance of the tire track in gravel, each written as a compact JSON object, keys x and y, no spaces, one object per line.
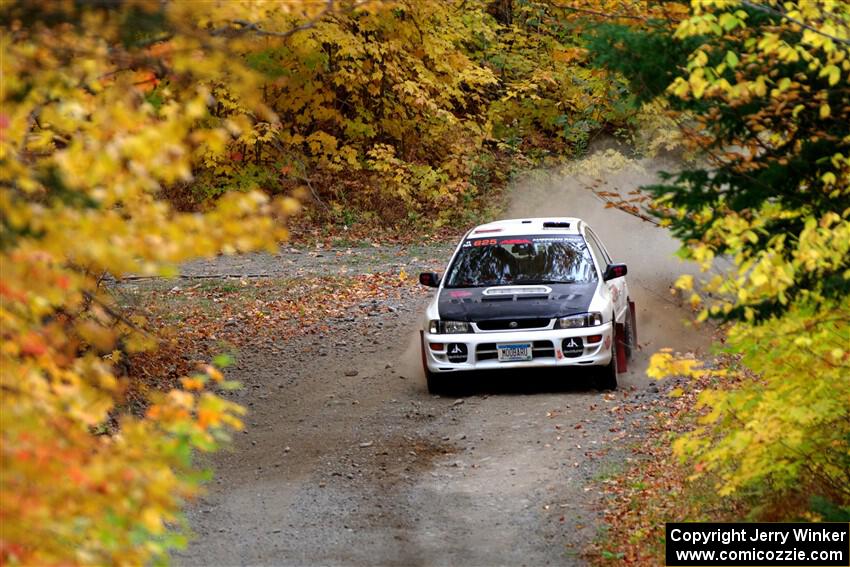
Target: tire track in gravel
{"x":368,"y":469}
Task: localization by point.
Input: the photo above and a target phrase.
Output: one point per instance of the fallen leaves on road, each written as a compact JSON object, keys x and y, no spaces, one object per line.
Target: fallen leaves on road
{"x":225,"y":315}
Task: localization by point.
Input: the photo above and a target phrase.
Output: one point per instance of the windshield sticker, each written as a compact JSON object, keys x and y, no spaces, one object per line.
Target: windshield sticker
{"x":514,"y":241}
{"x":554,"y":239}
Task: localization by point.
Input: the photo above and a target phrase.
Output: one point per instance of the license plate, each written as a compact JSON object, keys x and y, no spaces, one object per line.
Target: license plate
{"x":514,"y":352}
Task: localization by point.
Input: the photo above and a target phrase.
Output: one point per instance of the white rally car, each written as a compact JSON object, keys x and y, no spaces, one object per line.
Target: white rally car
{"x":527,"y":293}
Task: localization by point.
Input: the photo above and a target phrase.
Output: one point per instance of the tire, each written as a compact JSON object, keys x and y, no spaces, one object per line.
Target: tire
{"x":607,"y":378}
{"x":435,"y":382}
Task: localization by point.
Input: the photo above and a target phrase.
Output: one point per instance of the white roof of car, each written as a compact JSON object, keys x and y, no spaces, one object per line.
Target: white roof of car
{"x":526,"y":226}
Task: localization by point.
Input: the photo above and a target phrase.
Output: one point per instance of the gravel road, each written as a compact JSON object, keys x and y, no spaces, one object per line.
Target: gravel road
{"x":347,"y":460}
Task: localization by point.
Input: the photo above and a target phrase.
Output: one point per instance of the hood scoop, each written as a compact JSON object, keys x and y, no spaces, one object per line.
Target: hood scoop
{"x":517,"y":290}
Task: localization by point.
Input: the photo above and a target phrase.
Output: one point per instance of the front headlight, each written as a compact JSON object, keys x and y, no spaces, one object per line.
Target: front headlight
{"x":437,"y":327}
{"x":592,"y":319}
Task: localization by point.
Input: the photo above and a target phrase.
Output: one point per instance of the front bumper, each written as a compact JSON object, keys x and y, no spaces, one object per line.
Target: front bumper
{"x":547,"y":349}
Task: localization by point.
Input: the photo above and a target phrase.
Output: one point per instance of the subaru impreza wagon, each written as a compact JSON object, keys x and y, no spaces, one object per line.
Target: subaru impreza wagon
{"x":528,"y":293}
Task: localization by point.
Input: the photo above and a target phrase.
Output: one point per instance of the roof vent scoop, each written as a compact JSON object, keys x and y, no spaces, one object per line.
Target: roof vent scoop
{"x":556,"y":224}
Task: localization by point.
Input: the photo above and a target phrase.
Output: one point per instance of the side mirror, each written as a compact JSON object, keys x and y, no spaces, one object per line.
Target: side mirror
{"x":429,"y":279}
{"x":614,"y":271}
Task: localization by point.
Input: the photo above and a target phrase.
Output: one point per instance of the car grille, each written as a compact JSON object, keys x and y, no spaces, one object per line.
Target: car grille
{"x":506,"y":324}
{"x":539,"y":349}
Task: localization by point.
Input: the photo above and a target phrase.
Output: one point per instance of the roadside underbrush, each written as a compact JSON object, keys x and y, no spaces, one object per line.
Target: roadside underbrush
{"x":662,"y":487}
{"x":658,"y":487}
{"x":198,"y":319}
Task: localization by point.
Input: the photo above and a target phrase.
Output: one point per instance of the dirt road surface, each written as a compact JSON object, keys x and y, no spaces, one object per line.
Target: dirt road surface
{"x":347,"y":460}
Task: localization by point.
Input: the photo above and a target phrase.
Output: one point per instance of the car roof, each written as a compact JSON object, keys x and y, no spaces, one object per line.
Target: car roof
{"x":527,"y":226}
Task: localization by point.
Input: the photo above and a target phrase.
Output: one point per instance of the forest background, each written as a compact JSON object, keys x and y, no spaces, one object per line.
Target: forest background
{"x":139,"y":134}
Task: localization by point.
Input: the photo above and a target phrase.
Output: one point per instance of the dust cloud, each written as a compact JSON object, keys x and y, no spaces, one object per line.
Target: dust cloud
{"x":649,"y":251}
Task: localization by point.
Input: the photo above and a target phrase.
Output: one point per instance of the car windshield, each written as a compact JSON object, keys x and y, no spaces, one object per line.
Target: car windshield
{"x":520,"y":260}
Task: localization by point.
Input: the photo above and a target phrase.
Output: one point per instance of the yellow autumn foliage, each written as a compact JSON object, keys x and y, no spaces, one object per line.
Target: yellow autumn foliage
{"x":88,"y":154}
{"x":770,"y":94}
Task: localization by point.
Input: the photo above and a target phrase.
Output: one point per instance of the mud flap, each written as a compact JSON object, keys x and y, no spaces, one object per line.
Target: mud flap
{"x":619,"y":337}
{"x":633,"y":313}
{"x":422,"y":351}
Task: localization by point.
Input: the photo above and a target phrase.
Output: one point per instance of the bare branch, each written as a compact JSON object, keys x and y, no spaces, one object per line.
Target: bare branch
{"x":784,"y":16}
{"x":115,"y":314}
{"x":601,"y":14}
{"x":304,"y":177}
{"x":624,"y":206}
{"x":246,"y":26}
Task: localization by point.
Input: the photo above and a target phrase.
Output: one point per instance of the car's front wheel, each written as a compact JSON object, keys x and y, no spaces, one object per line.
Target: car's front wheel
{"x":435,"y":382}
{"x":607,"y":378}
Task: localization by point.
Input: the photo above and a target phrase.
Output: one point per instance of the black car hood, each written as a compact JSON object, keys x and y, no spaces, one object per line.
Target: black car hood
{"x":472,"y":304}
